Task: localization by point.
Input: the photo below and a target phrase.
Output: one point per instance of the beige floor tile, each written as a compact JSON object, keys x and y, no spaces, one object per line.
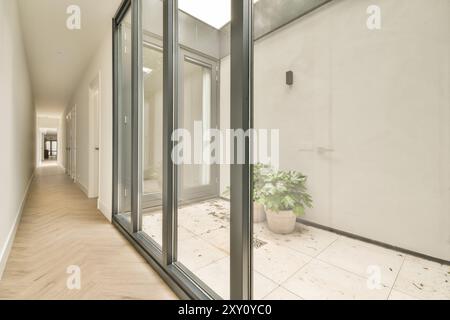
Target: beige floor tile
{"x":397,"y":295}
{"x":262,"y":286}
{"x":305,"y":239}
{"x":281,"y":294}
{"x":195,"y":253}
{"x":321,"y":281}
{"x":210,"y":276}
{"x":424,"y":279}
{"x":152,"y":226}
{"x":278,"y":263}
{"x":363,"y":259}
{"x":203,"y":218}
{"x":221,"y":284}
{"x":219,"y":238}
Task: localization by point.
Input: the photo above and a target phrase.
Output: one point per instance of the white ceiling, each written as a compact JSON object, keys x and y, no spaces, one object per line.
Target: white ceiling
{"x":58,"y":56}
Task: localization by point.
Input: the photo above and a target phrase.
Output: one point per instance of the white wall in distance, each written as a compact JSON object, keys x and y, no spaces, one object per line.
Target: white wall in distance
{"x":17,"y":126}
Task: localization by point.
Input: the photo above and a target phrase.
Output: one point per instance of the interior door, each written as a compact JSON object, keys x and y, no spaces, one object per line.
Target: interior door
{"x":73,"y":148}
{"x":197,"y":103}
{"x":68,"y":147}
{"x":198,"y":108}
{"x":95,"y":113}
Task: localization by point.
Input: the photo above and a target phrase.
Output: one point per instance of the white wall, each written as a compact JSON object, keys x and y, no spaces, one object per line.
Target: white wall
{"x":17,"y":126}
{"x":381,"y":101}
{"x":101,"y":62}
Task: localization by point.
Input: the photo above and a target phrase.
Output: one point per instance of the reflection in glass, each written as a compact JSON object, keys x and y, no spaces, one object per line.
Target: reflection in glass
{"x":203,"y":208}
{"x":124,"y":117}
{"x":152,"y":142}
{"x":196,"y":109}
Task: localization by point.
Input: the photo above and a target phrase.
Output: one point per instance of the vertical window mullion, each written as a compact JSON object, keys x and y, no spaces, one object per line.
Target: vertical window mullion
{"x":136,"y":85}
{"x":241,"y":118}
{"x":115,"y":121}
{"x":170,"y":44}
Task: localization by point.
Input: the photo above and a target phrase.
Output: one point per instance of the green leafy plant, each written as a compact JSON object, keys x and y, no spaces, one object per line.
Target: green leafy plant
{"x":260,"y":173}
{"x":285,"y":191}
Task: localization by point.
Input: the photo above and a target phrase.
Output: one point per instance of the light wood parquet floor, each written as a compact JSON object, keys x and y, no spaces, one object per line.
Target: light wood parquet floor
{"x":61,"y":227}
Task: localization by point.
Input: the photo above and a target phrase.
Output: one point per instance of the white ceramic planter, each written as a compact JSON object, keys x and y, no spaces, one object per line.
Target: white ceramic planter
{"x":259,"y":214}
{"x":282,"y":222}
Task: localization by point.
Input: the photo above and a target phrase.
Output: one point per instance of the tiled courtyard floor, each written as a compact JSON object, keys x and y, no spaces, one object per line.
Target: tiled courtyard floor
{"x":309,"y":264}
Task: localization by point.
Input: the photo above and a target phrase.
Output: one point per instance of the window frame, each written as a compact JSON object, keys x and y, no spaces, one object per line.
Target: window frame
{"x":181,"y":280}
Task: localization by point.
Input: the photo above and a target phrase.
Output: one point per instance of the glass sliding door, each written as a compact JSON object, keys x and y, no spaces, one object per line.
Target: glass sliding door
{"x":124,"y":110}
{"x":173,"y":144}
{"x":344,"y":188}
{"x":203,"y":210}
{"x":152,"y":122}
{"x":198,"y":110}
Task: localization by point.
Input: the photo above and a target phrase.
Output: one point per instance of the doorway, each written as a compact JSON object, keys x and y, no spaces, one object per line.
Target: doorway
{"x":47,"y":147}
{"x":71,"y":144}
{"x":50,"y":147}
{"x":68,"y":147}
{"x":94,"y":135}
{"x":198,"y":105}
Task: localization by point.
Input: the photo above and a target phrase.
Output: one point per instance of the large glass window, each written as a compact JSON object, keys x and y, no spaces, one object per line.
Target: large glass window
{"x":203,"y":184}
{"x":152,"y":129}
{"x":200,"y":245}
{"x":348,"y":192}
{"x":124,"y":108}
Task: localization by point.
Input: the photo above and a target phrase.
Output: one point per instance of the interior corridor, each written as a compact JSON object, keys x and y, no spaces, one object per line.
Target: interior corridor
{"x":61,"y":227}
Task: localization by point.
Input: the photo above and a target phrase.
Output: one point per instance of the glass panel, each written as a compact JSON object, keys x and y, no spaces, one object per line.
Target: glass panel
{"x":152,"y":138}
{"x":203,"y":182}
{"x":197,"y":108}
{"x":124,"y":117}
{"x":152,"y":166}
{"x":364,"y":127}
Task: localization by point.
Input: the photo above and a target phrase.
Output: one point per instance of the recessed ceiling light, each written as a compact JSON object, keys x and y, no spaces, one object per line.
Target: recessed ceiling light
{"x":147,"y":71}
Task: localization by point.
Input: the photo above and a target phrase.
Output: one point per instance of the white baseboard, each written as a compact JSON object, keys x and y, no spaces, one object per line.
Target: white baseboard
{"x":105,"y":210}
{"x":6,"y":250}
{"x":83,"y":188}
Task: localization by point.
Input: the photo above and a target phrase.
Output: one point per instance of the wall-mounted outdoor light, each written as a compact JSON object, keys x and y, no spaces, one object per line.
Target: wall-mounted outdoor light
{"x":290,"y":78}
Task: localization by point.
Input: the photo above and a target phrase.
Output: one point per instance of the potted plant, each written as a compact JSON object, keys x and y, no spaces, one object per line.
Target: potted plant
{"x":260,"y":173}
{"x":285,"y":198}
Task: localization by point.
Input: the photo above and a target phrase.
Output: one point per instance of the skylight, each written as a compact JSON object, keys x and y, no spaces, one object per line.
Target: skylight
{"x":216,"y":13}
